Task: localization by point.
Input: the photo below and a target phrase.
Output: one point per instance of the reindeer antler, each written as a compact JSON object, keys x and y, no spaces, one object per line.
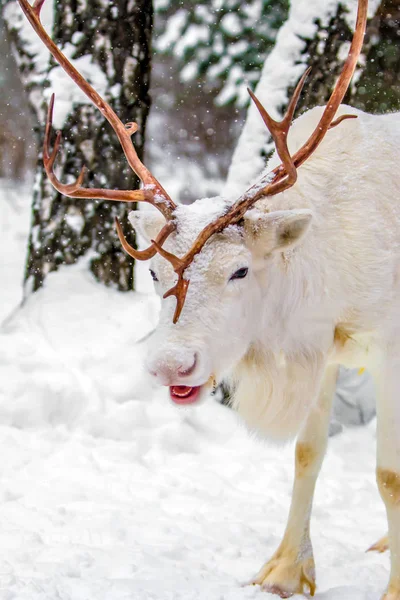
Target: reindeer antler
{"x":152,"y":192}
{"x":151,"y":250}
{"x":281,"y":178}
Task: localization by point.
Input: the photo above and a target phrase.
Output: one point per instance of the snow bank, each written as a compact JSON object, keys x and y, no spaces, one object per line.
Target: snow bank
{"x":188,"y":508}
{"x":69,"y":350}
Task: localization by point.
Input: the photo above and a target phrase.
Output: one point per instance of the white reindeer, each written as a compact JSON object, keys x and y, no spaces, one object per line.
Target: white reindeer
{"x":310,"y":281}
{"x":274,"y":290}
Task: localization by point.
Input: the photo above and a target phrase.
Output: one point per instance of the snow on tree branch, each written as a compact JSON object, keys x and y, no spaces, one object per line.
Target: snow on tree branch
{"x":16,"y":21}
{"x":283,"y":67}
{"x":30,"y":53}
{"x":224,"y":42}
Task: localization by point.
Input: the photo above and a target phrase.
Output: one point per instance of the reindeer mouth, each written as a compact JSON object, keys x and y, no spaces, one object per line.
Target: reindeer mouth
{"x":183,"y":394}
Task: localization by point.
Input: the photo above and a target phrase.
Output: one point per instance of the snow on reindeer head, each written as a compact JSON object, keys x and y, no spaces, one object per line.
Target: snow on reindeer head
{"x":206,"y":256}
{"x":218,"y":320}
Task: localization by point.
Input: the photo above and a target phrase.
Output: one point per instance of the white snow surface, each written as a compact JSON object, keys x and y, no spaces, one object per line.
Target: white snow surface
{"x":110,"y":492}
{"x":282,"y":69}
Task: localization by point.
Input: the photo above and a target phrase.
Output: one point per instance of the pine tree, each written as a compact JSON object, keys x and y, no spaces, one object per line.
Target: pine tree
{"x":377,"y":85}
{"x":111,"y":43}
{"x":316,"y":38}
{"x":221,"y":44}
{"x":378,"y":88}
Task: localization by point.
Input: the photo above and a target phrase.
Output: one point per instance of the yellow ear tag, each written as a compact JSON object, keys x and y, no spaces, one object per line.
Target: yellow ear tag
{"x":361,"y":371}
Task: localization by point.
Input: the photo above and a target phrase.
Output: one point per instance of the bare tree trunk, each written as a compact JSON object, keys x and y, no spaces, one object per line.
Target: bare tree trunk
{"x":116,"y":36}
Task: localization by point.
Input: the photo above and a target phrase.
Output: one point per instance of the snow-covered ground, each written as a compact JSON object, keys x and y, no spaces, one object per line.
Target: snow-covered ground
{"x":108,"y":492}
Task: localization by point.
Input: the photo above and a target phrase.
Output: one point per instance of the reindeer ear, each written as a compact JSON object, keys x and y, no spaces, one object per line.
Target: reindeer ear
{"x":275,"y":231}
{"x":148,"y":224}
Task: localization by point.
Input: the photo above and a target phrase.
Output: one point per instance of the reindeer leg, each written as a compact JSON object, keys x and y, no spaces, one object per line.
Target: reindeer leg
{"x":291,"y":569}
{"x":388,"y":462}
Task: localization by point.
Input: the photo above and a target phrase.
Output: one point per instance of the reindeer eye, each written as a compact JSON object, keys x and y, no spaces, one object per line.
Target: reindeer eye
{"x":240,"y":274}
{"x":153,"y":275}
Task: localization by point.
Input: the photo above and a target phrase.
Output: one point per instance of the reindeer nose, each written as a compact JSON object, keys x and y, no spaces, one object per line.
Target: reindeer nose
{"x":170,"y":370}
{"x":185,"y":372}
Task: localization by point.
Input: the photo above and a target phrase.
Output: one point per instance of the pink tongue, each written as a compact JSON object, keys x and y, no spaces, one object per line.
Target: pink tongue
{"x":182,"y":394}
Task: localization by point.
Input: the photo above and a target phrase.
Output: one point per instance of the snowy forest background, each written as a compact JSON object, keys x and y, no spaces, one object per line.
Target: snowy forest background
{"x":205,"y":56}
{"x":106,"y":490}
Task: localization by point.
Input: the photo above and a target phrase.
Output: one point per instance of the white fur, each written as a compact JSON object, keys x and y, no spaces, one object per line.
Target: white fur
{"x":341,"y":270}
{"x":323,"y":257}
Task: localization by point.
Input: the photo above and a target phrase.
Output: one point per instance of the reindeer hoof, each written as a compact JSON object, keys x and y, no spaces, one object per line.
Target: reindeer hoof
{"x":274,"y":589}
{"x":285,"y":576}
{"x":380,"y":546}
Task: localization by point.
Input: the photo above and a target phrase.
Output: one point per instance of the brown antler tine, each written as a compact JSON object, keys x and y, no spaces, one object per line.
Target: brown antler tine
{"x":179,"y":291}
{"x":37,"y":6}
{"x":340,"y":119}
{"x":136,"y":254}
{"x":177,"y":263}
{"x":268,"y":120}
{"x":151,"y":250}
{"x":56,"y":148}
{"x":49,"y":158}
{"x":81,"y":177}
{"x":278,"y":131}
{"x":288,"y":118}
{"x":72,"y":188}
{"x":131,"y":127}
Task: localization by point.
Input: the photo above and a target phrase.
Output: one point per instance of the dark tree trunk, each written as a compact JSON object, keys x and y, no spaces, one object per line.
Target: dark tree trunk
{"x":116,"y":36}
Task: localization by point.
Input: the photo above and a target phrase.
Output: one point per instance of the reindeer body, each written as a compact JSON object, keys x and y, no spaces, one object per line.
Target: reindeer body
{"x":337,"y":294}
{"x":324,"y":290}
{"x":335,"y":300}
{"x":278,"y":286}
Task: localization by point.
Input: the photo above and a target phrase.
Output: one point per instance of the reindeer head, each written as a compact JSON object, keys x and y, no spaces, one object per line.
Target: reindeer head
{"x":207,"y":258}
{"x":229,"y":279}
